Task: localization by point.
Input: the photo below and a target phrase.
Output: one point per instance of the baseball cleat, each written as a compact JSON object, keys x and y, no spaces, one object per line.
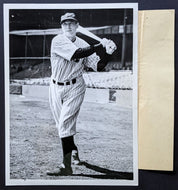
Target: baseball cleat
{"x":75,"y":158}
{"x":62,"y":171}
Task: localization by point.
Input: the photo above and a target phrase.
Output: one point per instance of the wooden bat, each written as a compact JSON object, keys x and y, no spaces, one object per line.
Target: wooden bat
{"x":88,"y":33}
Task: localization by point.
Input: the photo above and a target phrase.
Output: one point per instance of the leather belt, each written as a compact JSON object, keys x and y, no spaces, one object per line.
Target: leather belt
{"x":73,"y":81}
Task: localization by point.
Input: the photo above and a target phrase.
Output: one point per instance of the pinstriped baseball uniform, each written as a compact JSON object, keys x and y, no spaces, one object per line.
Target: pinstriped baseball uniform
{"x":65,"y":101}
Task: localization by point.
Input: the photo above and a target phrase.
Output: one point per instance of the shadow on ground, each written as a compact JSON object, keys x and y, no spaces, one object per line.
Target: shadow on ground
{"x":107,"y":174}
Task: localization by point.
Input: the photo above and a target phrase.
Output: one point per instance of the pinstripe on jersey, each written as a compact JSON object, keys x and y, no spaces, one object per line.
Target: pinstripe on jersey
{"x":63,"y":68}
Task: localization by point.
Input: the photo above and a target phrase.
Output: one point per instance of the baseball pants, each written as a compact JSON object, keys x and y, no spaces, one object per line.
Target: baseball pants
{"x":65,"y":102}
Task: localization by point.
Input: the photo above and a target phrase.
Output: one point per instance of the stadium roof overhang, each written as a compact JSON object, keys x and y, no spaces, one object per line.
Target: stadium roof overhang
{"x":117,"y":29}
{"x":49,"y":31}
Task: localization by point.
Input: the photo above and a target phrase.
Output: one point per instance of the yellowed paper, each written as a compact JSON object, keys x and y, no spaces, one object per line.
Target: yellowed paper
{"x":156,"y":89}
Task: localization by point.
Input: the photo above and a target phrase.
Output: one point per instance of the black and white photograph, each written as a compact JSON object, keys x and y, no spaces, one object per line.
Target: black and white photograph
{"x":71,"y":94}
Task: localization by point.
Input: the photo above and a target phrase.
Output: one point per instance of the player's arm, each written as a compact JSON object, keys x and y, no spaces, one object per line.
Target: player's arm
{"x":101,"y":49}
{"x":108,"y":48}
{"x":104,"y":58}
{"x":87,"y":51}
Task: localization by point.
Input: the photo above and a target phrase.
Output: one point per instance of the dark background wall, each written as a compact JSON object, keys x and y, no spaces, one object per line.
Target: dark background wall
{"x":44,"y":19}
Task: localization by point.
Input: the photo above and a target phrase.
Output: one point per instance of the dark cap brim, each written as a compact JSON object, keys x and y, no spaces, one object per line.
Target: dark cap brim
{"x":70,"y":19}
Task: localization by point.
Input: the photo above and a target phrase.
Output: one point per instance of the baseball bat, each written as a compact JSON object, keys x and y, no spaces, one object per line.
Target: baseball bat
{"x":88,"y":33}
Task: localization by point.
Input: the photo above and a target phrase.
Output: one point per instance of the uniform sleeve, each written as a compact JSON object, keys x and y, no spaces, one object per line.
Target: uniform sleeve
{"x":92,"y":61}
{"x":63,"y":47}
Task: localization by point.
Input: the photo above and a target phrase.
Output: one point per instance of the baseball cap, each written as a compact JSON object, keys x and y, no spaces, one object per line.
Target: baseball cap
{"x":68,"y":16}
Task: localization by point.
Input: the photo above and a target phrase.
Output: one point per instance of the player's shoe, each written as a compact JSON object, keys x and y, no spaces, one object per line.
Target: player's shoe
{"x":61,"y":171}
{"x":75,"y":158}
{"x":65,"y":168}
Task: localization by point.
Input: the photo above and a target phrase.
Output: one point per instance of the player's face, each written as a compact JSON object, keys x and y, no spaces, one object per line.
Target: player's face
{"x":69,"y":28}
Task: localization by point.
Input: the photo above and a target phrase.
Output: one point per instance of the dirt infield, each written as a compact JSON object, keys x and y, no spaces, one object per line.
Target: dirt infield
{"x":104,"y":139}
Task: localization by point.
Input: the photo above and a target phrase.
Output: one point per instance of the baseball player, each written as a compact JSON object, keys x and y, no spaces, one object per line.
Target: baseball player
{"x":69,"y":54}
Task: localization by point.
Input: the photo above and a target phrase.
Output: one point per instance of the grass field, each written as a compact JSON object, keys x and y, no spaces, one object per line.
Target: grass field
{"x":104,"y":138}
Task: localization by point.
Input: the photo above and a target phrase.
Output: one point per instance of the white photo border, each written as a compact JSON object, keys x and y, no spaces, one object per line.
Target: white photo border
{"x":13,"y":182}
